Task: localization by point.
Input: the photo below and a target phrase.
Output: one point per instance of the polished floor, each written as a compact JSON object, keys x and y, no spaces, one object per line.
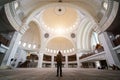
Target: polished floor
{"x":50,"y":74}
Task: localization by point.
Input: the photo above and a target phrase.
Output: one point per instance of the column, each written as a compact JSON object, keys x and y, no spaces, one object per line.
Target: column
{"x":97,"y":63}
{"x":52,"y":61}
{"x":111,"y":55}
{"x":40,"y":61}
{"x":78,"y":62}
{"x":14,"y":44}
{"x":66,"y":61}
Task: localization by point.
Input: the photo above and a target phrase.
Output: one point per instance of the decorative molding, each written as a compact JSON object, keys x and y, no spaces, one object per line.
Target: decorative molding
{"x":73,"y":35}
{"x":46,"y":35}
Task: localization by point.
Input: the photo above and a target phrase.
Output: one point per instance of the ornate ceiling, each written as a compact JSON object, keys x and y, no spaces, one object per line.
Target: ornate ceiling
{"x":60,"y":17}
{"x":81,"y":17}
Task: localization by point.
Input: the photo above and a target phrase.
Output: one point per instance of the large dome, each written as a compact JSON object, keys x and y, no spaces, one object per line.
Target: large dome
{"x":60,"y":17}
{"x":60,"y":21}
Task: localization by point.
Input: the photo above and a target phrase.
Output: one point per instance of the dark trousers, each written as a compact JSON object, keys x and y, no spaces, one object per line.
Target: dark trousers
{"x":59,"y":69}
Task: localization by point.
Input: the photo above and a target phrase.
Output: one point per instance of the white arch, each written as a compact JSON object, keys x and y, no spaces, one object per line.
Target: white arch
{"x":63,"y":37}
{"x":82,"y":35}
{"x":45,"y":44}
{"x":80,"y":30}
{"x":87,"y":36}
{"x":84,"y":32}
{"x":84,"y":44}
{"x":37,"y":25}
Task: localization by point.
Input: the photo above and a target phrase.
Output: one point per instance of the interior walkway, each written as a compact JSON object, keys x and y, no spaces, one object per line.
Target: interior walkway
{"x":50,"y":74}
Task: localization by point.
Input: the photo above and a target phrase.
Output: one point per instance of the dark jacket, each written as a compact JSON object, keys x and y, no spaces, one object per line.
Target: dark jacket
{"x":59,"y":57}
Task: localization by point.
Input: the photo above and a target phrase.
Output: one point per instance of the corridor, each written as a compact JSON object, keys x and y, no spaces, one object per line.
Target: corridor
{"x":50,"y":74}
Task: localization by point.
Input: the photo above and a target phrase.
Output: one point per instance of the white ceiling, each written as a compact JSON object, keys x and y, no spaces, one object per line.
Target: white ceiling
{"x":85,"y":13}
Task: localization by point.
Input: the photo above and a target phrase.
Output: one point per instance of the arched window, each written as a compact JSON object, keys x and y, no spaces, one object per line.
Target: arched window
{"x":34,"y":46}
{"x":16,"y":5}
{"x":24,"y":44}
{"x":105,"y":5}
{"x":94,"y":40}
{"x":29,"y":45}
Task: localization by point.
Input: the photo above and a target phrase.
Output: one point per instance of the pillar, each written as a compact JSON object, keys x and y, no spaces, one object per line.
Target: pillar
{"x":111,"y":55}
{"x":97,"y":63}
{"x":14,"y":44}
{"x":78,"y":61}
{"x":66,"y":61}
{"x":52,"y":61}
{"x":40,"y":60}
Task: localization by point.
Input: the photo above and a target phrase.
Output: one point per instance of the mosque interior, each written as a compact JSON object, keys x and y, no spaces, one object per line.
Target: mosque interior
{"x":87,"y":32}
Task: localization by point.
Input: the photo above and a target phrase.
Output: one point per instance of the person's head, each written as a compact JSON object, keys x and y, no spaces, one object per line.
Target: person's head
{"x":59,"y":53}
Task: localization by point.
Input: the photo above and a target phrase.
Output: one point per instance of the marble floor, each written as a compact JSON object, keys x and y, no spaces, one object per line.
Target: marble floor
{"x":50,"y":74}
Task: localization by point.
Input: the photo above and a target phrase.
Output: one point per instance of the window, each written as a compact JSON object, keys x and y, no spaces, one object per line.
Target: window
{"x":70,"y":50}
{"x":34,"y":46}
{"x":24,"y":44}
{"x":16,"y":5}
{"x":67,"y":51}
{"x":94,"y":39}
{"x":73,"y":49}
{"x":51,"y":50}
{"x":105,"y":5}
{"x":64,"y":51}
{"x":54,"y":51}
{"x":29,"y":45}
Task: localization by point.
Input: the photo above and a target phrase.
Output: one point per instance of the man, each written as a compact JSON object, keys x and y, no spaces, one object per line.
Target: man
{"x":59,"y":64}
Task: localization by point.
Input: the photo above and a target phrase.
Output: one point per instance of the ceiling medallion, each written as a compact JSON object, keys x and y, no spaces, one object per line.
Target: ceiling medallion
{"x":73,"y":35}
{"x":60,"y":10}
{"x":46,"y":35}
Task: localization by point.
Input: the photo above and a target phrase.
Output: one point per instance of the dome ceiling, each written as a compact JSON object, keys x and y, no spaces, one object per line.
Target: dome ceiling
{"x":31,"y":36}
{"x":51,"y":16}
{"x":60,"y":17}
{"x":91,"y":6}
{"x":60,"y":43}
{"x":96,"y":9}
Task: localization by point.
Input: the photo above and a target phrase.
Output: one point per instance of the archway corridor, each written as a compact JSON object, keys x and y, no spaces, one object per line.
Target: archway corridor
{"x":50,"y":74}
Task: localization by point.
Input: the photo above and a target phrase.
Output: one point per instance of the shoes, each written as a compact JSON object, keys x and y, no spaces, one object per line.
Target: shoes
{"x":60,"y":76}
